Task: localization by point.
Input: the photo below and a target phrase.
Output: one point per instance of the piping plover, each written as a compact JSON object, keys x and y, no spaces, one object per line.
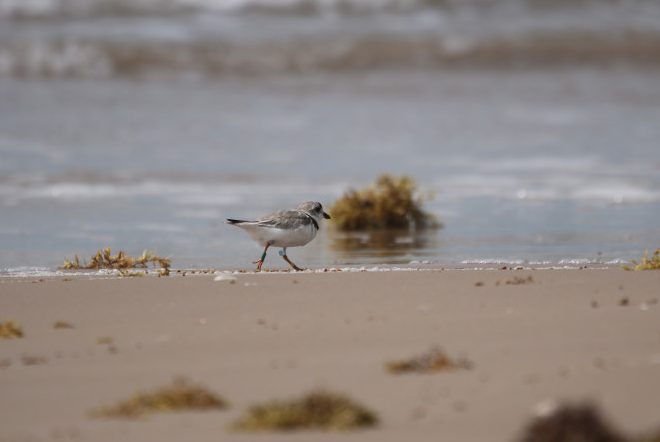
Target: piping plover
{"x":286,"y":228}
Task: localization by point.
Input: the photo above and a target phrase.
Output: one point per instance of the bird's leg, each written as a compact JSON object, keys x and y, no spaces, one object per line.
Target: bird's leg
{"x":286,"y":258}
{"x":260,"y":262}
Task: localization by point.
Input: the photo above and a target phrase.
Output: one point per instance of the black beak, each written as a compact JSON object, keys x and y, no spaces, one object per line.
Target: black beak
{"x":326,"y":216}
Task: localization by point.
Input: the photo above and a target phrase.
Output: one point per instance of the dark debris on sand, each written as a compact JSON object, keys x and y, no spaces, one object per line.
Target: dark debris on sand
{"x":434,"y":360}
{"x":181,"y":395}
{"x":319,"y":410}
{"x":571,"y":423}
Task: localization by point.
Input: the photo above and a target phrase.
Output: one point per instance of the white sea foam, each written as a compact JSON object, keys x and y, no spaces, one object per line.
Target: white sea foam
{"x":542,"y":178}
{"x":493,"y":261}
{"x":46,"y":8}
{"x":189,"y":192}
{"x":46,"y":272}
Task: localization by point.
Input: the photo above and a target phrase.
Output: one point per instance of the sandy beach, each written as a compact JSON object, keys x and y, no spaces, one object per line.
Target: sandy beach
{"x":563,"y":335}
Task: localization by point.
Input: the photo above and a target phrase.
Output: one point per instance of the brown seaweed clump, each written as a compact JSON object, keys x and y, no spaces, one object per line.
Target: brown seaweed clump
{"x":104,"y":259}
{"x":650,"y":437}
{"x":390,"y":203}
{"x":10,"y":330}
{"x":433,"y":361}
{"x":317,"y":410}
{"x":571,"y":423}
{"x":652,"y":263}
{"x":180,"y":396}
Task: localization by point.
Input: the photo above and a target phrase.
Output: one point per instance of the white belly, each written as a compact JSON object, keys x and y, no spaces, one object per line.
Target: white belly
{"x":280,"y":237}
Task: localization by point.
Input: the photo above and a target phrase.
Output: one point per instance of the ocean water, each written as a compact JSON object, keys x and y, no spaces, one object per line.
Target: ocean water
{"x":143,"y":125}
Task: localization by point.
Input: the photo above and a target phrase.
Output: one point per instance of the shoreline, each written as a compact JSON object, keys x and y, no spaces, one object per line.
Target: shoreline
{"x":536,"y":337}
{"x":39,"y":272}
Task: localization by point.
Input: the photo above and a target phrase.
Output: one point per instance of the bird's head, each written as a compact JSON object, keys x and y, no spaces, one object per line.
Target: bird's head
{"x":313,"y":209}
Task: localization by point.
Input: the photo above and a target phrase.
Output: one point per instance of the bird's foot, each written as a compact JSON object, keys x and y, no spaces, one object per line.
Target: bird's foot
{"x":295,"y":267}
{"x":259,"y":263}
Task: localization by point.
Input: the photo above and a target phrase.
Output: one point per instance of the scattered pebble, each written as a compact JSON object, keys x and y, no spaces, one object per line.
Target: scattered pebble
{"x":225,"y":277}
{"x":33,"y":360}
{"x":545,"y":408}
{"x":424,"y":307}
{"x":479,"y":284}
{"x":563,"y":372}
{"x":599,"y":363}
{"x":532,"y":378}
{"x":459,"y":406}
{"x":418,"y":413}
{"x":518,"y":280}
{"x":624,"y":301}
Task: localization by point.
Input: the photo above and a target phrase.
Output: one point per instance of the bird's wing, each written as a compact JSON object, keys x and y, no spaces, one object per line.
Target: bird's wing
{"x":285,"y":219}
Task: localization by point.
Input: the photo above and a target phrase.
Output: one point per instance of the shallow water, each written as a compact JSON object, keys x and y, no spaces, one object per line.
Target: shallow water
{"x":555,"y":166}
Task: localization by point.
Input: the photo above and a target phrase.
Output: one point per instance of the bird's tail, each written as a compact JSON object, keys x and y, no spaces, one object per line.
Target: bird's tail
{"x":235,"y":221}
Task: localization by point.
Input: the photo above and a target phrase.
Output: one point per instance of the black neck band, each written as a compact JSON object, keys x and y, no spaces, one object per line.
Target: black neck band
{"x":313,"y":220}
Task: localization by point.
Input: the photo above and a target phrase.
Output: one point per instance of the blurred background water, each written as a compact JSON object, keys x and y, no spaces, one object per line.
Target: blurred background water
{"x":143,"y":124}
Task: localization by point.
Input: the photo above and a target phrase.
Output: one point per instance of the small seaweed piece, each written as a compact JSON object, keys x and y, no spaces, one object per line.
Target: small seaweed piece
{"x":129,"y":273}
{"x":180,"y":396}
{"x":390,"y":203}
{"x":62,"y":324}
{"x":434,"y":360}
{"x":316,"y":410}
{"x":33,"y":360}
{"x":518,"y":280}
{"x":10,"y":330}
{"x":104,"y":259}
{"x":652,"y":263}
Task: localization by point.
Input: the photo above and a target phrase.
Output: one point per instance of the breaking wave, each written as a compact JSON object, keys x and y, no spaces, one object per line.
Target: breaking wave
{"x":99,"y":38}
{"x":40,"y":9}
{"x":107,"y":59}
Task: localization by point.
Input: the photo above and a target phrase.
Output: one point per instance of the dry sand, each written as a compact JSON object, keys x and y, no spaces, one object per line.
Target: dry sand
{"x":567,"y":335}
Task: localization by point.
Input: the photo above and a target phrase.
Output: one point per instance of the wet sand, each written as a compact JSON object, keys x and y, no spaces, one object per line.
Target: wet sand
{"x":563,"y":335}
